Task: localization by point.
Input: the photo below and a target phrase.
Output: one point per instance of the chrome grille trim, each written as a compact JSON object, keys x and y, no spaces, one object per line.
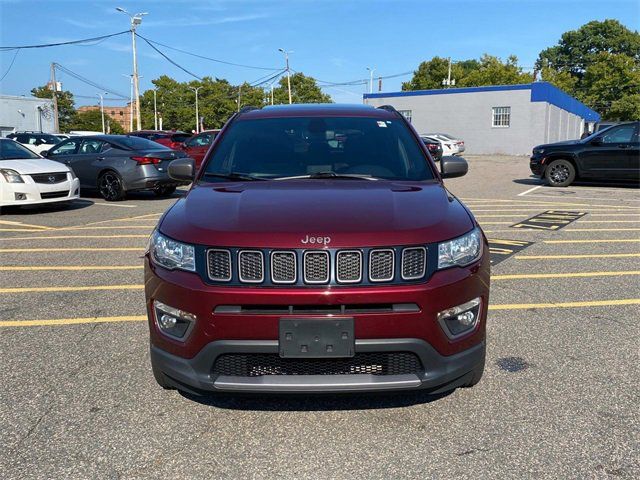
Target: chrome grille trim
{"x":221,"y":252}
{"x":404,"y":263}
{"x":244,"y":262}
{"x":339,"y":269}
{"x":274,"y":268}
{"x":371,"y":264}
{"x":306,"y":266}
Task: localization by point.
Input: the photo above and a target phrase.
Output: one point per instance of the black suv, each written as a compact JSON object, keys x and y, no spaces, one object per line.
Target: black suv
{"x":610,"y":154}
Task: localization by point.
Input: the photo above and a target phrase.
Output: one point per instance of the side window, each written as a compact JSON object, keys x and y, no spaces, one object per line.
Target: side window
{"x":621,"y":134}
{"x":193,"y":142}
{"x":22,"y":139}
{"x":90,"y":146}
{"x":66,"y":148}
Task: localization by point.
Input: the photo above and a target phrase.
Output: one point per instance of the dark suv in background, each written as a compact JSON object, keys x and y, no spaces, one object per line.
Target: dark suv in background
{"x":609,"y":154}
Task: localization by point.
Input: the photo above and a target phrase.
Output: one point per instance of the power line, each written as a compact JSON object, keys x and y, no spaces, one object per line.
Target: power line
{"x":207,"y":58}
{"x":10,"y":65}
{"x":72,"y":42}
{"x":89,"y":82}
{"x":167,"y":58}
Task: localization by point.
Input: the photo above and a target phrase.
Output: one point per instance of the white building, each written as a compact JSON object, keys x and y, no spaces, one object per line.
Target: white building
{"x":508,"y":119}
{"x":25,"y":113}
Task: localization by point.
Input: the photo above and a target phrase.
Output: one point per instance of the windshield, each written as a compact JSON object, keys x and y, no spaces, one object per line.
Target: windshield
{"x":180,"y":137}
{"x":10,"y":150}
{"x":298,"y":146}
{"x":139,"y":143}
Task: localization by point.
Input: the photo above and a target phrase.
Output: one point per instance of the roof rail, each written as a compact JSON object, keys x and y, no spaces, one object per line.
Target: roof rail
{"x":389,"y":108}
{"x":248,"y":109}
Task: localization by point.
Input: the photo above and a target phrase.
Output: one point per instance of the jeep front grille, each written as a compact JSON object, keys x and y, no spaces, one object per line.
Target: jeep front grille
{"x":283,"y":267}
{"x":381,"y":265}
{"x":219,"y":265}
{"x":349,"y":266}
{"x":316,"y":266}
{"x":414,"y":263}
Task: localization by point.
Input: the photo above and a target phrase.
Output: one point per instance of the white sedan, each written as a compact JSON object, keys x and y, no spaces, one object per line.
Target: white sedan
{"x":27,"y":179}
{"x":450,"y":144}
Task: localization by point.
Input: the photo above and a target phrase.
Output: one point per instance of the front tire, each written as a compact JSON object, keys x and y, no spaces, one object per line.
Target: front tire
{"x":161,"y":379}
{"x":560,"y":173}
{"x":475,"y":376}
{"x":110,"y":186}
{"x":164,"y":190}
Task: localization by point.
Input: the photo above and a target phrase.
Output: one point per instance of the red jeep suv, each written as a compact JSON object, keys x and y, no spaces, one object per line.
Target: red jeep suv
{"x":317,"y":251}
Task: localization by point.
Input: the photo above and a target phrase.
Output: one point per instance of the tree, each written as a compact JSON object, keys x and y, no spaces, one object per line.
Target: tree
{"x":92,"y":120}
{"x":489,"y":70}
{"x":303,"y":90}
{"x":66,"y":110}
{"x":598,"y":64}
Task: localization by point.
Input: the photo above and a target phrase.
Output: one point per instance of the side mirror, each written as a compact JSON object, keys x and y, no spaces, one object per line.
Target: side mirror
{"x":183,"y":169}
{"x":451,"y":167}
{"x":44,"y":153}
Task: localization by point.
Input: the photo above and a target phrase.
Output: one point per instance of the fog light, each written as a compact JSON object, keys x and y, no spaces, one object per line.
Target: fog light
{"x":21,"y":196}
{"x":459,"y":320}
{"x":172,"y":321}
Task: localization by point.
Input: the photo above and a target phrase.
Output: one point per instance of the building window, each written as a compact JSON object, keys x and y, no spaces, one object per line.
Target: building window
{"x":406,"y":114}
{"x":501,"y":117}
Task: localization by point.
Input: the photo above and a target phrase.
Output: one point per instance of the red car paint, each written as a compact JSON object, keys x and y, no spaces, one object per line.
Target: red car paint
{"x":281,"y":215}
{"x":198,"y":145}
{"x":169,"y":138}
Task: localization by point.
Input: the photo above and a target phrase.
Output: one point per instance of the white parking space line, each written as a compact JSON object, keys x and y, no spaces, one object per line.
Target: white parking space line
{"x":530,"y":190}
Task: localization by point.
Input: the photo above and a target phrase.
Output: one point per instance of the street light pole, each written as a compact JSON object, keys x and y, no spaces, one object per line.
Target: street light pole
{"x":155,"y":110}
{"x":195,"y":89}
{"x":371,"y":70}
{"x":130,"y":101}
{"x":286,"y":59}
{"x":135,"y":21}
{"x":102,"y":110}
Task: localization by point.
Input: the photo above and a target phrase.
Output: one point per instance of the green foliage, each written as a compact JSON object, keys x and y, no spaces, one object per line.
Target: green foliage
{"x":66,"y":110}
{"x":599,"y":65}
{"x":488,"y":70}
{"x":303,"y":90}
{"x":92,"y":120}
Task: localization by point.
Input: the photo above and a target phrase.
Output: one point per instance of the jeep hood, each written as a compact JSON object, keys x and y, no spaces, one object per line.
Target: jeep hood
{"x":559,"y":144}
{"x":280,"y":214}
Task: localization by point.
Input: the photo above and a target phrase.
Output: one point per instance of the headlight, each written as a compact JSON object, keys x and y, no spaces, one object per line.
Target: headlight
{"x":538,"y":151}
{"x":460,"y":251}
{"x":11,"y":176}
{"x":171,"y":254}
{"x":73,"y":174}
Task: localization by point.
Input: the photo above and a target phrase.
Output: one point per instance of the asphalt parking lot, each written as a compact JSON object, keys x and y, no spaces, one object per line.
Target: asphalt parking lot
{"x":559,"y":398}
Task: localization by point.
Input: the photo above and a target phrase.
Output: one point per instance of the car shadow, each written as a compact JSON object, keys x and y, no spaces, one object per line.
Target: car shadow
{"x":47,"y":207}
{"x":313,"y":402}
{"x":582,"y":183}
{"x":144,"y":195}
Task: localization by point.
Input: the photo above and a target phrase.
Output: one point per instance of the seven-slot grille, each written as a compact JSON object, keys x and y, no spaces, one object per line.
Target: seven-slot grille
{"x":49,"y":177}
{"x":317,"y":267}
{"x":414,"y":263}
{"x":219,"y":265}
{"x":251,"y":266}
{"x":381,"y":265}
{"x":349,"y":266}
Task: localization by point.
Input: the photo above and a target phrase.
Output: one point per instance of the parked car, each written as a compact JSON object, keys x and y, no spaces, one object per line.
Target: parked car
{"x":27,"y":179}
{"x":171,"y":139}
{"x":118,"y":164}
{"x":450,"y":145}
{"x":198,"y":145}
{"x":434,"y":146}
{"x":37,"y":142}
{"x":298,"y":263}
{"x":610,"y":154}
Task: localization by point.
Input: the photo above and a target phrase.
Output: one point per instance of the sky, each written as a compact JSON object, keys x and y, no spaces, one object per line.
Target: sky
{"x":331,"y":40}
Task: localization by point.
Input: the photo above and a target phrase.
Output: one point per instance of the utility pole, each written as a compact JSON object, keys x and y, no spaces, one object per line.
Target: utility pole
{"x":195,"y":89}
{"x":371,"y":70}
{"x":130,"y":101}
{"x":239,"y":96}
{"x":102,"y":110}
{"x":286,"y":59}
{"x":54,"y":88}
{"x":135,"y":21}
{"x":155,"y":110}
{"x":448,"y":82}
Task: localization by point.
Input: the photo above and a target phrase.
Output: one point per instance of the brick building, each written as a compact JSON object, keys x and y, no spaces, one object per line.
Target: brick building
{"x":122,"y":115}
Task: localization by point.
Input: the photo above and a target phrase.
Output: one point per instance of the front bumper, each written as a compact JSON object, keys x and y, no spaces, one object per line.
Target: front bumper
{"x":38,"y":193}
{"x":536,"y":165}
{"x":440,"y":372}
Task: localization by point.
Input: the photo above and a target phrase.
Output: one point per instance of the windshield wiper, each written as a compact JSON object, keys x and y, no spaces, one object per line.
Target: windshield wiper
{"x":325,"y":175}
{"x":233,"y":176}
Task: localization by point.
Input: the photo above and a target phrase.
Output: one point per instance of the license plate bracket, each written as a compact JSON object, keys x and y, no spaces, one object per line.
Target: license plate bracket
{"x":316,"y":338}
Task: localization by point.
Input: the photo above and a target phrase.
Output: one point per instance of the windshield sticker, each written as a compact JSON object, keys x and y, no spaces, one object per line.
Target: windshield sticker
{"x":550,"y":220}
{"x":382,"y":124}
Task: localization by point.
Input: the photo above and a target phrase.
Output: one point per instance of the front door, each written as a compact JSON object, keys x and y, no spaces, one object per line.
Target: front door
{"x":607,"y":156}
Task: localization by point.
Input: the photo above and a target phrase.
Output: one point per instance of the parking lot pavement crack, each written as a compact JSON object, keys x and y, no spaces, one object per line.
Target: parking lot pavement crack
{"x":34,"y":427}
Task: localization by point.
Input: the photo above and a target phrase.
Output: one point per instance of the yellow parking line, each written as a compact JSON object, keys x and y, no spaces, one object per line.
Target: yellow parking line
{"x":589,"y":255}
{"x":70,"y":289}
{"x":70,"y":321}
{"x":518,"y":209}
{"x":496,"y":223}
{"x":142,"y":318}
{"x":609,"y":221}
{"x":525,"y":276}
{"x":71,"y":268}
{"x":79,"y":249}
{"x":594,"y":303}
{"x":590,"y":215}
{"x":479,"y":201}
{"x":591,"y":240}
{"x":602,"y":229}
{"x":20,"y":224}
{"x":137,"y":217}
{"x":20,"y":230}
{"x":115,"y":227}
{"x":60,"y":237}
